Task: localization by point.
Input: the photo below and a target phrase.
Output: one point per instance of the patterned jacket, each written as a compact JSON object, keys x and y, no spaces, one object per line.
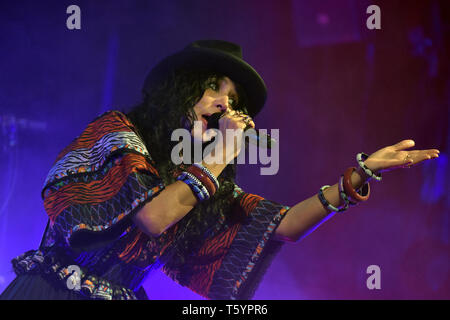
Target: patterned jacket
{"x":91,"y":245}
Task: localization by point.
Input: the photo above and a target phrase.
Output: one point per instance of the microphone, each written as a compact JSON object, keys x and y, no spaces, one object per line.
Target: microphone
{"x":254,"y":137}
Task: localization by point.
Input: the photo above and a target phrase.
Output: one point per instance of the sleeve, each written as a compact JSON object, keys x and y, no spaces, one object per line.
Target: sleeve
{"x":231,"y":263}
{"x":103,"y":178}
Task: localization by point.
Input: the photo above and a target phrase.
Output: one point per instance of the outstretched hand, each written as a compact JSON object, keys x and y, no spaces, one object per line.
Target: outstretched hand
{"x":397,"y":157}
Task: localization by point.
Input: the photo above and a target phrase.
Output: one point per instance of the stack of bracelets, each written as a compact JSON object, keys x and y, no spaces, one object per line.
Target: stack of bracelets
{"x":201,"y":181}
{"x":348,"y":194}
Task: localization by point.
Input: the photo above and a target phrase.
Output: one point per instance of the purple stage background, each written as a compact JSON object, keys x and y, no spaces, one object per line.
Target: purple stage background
{"x":335,"y":89}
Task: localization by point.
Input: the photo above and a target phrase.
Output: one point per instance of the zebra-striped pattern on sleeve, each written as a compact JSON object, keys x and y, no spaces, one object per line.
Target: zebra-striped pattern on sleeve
{"x":88,"y":160}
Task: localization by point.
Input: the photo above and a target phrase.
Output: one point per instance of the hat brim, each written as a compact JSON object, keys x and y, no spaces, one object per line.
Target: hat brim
{"x":236,"y":69}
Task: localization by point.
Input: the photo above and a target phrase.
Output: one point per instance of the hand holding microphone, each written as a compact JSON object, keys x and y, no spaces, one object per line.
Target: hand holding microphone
{"x":253,"y":137}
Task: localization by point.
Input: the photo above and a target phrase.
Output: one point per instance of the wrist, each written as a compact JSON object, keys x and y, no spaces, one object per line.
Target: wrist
{"x":215,"y":168}
{"x":362,"y":175}
{"x":354,"y":185}
{"x":358,"y":178}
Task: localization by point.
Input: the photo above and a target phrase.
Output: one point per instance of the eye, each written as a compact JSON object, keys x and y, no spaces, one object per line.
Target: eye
{"x":213,"y":85}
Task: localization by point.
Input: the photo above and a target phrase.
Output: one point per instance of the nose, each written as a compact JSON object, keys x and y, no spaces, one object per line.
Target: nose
{"x":222,"y":103}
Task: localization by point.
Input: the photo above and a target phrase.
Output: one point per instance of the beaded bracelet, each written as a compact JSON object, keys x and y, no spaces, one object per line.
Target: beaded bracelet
{"x":360,"y":196}
{"x":209,"y":174}
{"x":203,"y":177}
{"x":196,"y":186}
{"x":200,"y":192}
{"x":199,"y":184}
{"x":193,"y":186}
{"x":360,"y":158}
{"x":328,"y":205}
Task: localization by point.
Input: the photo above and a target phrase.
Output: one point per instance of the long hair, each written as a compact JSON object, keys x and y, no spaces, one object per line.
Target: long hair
{"x":165,"y":108}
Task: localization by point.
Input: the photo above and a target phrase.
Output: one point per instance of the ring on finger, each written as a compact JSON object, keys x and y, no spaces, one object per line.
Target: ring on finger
{"x":247,"y":121}
{"x":409,"y":164}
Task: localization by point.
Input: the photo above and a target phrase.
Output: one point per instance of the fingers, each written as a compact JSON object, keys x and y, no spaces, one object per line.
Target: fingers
{"x":243,"y":117}
{"x":397,"y":156}
{"x":431,"y":154}
{"x":417,"y":156}
{"x":248,"y":120}
{"x":404,"y":144}
{"x":414,"y":156}
{"x":408,"y":143}
{"x":434,"y":153}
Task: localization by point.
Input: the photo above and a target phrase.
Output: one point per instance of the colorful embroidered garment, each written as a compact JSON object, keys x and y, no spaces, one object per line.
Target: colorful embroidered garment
{"x":231,"y":263}
{"x":104,"y":177}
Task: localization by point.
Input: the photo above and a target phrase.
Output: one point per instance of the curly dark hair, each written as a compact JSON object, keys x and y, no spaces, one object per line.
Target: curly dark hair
{"x":168,"y":106}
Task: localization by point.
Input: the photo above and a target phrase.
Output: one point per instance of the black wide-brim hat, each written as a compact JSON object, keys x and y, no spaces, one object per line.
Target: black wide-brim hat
{"x":216,"y":55}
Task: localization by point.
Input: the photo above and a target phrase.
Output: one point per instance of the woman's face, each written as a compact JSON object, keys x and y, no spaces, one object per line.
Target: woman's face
{"x":220,"y":95}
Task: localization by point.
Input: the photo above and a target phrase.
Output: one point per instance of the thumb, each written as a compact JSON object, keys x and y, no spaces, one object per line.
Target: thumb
{"x":404,"y":144}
